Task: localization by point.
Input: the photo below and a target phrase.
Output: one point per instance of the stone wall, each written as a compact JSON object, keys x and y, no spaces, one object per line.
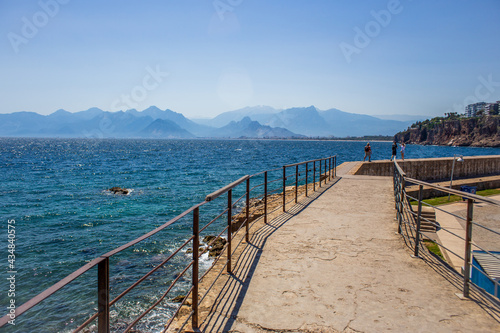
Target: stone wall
{"x":436,"y":169}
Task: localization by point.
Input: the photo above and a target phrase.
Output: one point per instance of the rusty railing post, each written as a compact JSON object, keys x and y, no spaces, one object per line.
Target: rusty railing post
{"x":103,"y":296}
{"x":248,"y":211}
{"x":229,"y":227}
{"x":307,"y":171}
{"x":329,"y":168}
{"x":335,"y":166}
{"x":296,"y":182}
{"x":468,"y":245}
{"x":284,"y":188}
{"x":401,"y":202}
{"x":419,"y":218}
{"x":314,"y":176}
{"x":265,"y":197}
{"x":326,"y":171}
{"x":319,"y":181}
{"x":196,"y":246}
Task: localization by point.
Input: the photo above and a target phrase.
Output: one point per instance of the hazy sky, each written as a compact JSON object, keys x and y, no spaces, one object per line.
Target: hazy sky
{"x":204,"y":57}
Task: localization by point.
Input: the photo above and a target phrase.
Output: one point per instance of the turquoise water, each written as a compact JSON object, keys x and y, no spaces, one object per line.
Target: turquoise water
{"x":54,"y":189}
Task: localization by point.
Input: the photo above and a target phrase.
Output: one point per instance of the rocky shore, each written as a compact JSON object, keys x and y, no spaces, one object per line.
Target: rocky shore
{"x":474,"y":132}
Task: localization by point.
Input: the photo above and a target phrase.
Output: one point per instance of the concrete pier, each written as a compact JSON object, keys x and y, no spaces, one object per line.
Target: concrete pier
{"x":333,"y":263}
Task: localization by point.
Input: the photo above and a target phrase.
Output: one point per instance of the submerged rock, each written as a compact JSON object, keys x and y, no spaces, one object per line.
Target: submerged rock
{"x":119,"y":190}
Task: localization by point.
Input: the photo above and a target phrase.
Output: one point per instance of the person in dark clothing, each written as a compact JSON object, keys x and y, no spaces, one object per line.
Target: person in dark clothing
{"x":368,"y":152}
{"x":394,"y":150}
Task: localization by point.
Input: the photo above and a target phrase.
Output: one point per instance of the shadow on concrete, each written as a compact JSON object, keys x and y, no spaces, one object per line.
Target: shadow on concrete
{"x":228,"y":303}
{"x":487,"y":302}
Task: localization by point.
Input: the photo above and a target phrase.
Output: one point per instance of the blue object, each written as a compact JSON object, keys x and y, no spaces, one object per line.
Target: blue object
{"x":468,"y":189}
{"x":485,"y":271}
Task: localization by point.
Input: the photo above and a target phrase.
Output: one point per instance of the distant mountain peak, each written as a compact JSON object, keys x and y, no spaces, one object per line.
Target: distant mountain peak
{"x":94,"y":109}
{"x":152,"y":108}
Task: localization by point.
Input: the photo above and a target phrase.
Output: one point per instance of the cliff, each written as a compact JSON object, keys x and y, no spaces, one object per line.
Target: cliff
{"x":454,"y":131}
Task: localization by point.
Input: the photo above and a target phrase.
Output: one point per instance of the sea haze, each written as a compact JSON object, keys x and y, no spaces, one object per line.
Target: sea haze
{"x":55,"y":190}
{"x":250,"y":122}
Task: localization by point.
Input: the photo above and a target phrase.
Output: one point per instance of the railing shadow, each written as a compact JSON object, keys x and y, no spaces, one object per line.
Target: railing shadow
{"x":225,"y":308}
{"x":488,"y":303}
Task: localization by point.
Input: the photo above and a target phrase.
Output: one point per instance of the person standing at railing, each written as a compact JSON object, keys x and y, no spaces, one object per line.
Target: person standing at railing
{"x":368,"y":152}
{"x":394,"y":150}
{"x":403,"y":147}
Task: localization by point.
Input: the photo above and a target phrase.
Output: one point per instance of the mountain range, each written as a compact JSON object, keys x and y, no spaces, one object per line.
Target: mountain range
{"x":250,"y":122}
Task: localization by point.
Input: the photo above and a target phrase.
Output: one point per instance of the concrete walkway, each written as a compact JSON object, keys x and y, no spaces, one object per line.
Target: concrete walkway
{"x":486,"y":215}
{"x":335,"y":264}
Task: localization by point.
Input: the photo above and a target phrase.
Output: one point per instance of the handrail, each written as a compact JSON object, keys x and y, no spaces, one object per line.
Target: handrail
{"x":409,"y":226}
{"x":455,"y":192}
{"x":102,"y":262}
{"x":225,"y":189}
{"x":152,"y":232}
{"x":51,"y":290}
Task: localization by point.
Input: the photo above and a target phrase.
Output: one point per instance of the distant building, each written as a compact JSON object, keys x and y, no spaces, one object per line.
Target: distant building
{"x":471,"y":110}
{"x":491,"y":108}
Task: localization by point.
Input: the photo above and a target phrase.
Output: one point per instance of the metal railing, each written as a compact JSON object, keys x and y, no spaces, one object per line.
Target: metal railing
{"x":305,"y":175}
{"x":410,"y":223}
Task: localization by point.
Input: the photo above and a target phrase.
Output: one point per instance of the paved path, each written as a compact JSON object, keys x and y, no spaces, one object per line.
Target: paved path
{"x":336,"y":265}
{"x":486,"y":215}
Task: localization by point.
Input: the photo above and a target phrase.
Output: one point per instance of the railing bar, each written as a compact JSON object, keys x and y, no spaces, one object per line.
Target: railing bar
{"x":225,"y":189}
{"x":177,"y":311}
{"x":160,"y":299}
{"x":277,"y":208}
{"x":235,"y":202}
{"x":273,"y":200}
{"x":184,"y":323}
{"x":218,"y":257}
{"x":256,"y":186}
{"x":214,"y":240}
{"x":452,"y":233}
{"x":448,"y":213}
{"x":86,"y":322}
{"x":262,"y":172}
{"x":486,"y":228}
{"x":215,"y":219}
{"x":51,"y":290}
{"x":300,"y":163}
{"x":236,"y":247}
{"x":275,"y":191}
{"x":255,"y":208}
{"x":213,"y":283}
{"x":151,"y":233}
{"x":486,"y":251}
{"x":456,"y":192}
{"x":276,"y":180}
{"x":151,"y":272}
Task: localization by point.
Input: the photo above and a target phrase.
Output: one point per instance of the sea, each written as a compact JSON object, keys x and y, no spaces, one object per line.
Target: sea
{"x":54,"y":193}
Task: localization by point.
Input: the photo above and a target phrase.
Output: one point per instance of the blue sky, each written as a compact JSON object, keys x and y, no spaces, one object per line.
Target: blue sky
{"x":205,"y":57}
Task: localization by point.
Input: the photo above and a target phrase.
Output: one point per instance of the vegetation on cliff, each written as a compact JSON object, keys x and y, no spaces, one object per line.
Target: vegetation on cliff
{"x":453,"y":130}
